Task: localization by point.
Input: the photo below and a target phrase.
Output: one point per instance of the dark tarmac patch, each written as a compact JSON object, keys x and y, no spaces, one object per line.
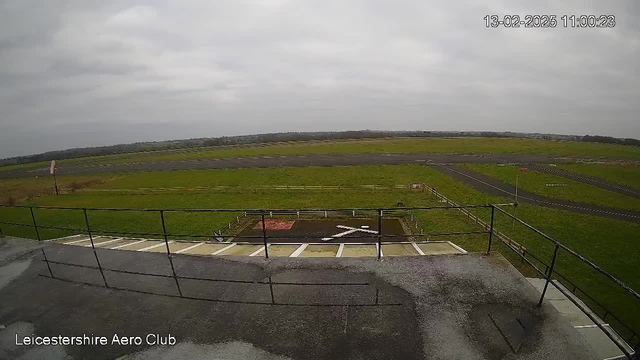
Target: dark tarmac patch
{"x":314,"y":230}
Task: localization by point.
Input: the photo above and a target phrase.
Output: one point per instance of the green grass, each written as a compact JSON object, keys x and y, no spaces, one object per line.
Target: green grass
{"x":24,"y":166}
{"x":535,"y":182}
{"x":313,"y":175}
{"x":607,"y":242}
{"x":16,"y":190}
{"x":625,"y":175}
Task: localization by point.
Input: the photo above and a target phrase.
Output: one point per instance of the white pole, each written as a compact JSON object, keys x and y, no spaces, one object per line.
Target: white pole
{"x":513,"y":223}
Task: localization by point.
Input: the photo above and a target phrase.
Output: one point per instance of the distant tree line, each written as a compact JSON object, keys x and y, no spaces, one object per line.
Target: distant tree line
{"x":294,"y":136}
{"x":610,"y":140}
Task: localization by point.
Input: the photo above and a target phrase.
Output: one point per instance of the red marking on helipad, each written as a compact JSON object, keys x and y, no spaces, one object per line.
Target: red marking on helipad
{"x":275,"y":224}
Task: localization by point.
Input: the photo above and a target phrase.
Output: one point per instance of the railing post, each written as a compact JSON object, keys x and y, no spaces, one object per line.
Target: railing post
{"x":493,"y":211}
{"x":549,"y":274}
{"x":264,"y":235}
{"x":166,"y":243}
{"x":47,"y":261}
{"x":164,"y":231}
{"x":93,"y":247}
{"x":379,"y":234}
{"x":35,"y":226}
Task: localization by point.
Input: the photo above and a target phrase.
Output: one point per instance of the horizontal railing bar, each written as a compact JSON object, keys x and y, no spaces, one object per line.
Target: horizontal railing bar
{"x":262,"y":282}
{"x":216,"y":300}
{"x":256,"y":210}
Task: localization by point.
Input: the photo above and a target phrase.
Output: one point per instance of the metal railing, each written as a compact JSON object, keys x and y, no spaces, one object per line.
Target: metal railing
{"x":376,"y":212}
{"x":262,"y":213}
{"x":549,"y":272}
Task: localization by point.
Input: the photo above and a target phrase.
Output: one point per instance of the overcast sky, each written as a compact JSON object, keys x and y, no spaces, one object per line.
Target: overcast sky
{"x":91,"y":73}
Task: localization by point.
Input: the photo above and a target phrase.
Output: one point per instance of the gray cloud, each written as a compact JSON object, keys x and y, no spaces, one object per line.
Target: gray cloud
{"x":96,"y":73}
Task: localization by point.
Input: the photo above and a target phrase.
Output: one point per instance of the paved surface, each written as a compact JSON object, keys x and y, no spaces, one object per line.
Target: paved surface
{"x":275,"y":161}
{"x":601,"y":183}
{"x":490,"y":185}
{"x":602,"y":344}
{"x":441,"y":307}
{"x":289,"y":249}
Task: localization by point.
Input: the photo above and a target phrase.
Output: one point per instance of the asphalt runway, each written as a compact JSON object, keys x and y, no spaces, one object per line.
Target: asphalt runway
{"x":275,"y":161}
{"x":492,"y":186}
{"x":601,"y":183}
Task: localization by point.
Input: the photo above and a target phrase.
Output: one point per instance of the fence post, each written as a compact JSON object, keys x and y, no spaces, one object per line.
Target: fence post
{"x":379,"y":234}
{"x":493,"y":211}
{"x":35,"y":226}
{"x":264,"y":235}
{"x":549,"y":273}
{"x":93,"y":247}
{"x":166,"y":243}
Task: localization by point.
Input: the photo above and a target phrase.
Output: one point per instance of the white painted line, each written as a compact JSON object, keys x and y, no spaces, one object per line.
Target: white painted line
{"x":352,"y":228}
{"x":340,"y":249}
{"x":189,"y":248}
{"x":463,"y":251}
{"x":299,"y":250}
{"x":64,"y":238}
{"x":223,"y":249}
{"x":76,"y":241}
{"x":153,"y":246}
{"x":106,"y":242}
{"x":259,"y":250}
{"x":415,"y":246}
{"x":344,"y":233}
{"x":588,"y":326}
{"x":124,"y":245}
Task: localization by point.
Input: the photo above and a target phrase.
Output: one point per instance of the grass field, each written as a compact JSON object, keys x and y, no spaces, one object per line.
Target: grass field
{"x":535,"y":182}
{"x":17,"y":190}
{"x":607,"y":242}
{"x":440,"y":145}
{"x":625,"y":175}
{"x":397,"y":145}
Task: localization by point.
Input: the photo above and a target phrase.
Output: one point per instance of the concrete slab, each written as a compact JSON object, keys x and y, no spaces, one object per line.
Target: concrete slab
{"x":206,"y":249}
{"x":569,"y":310}
{"x":320,"y":251}
{"x":140,"y":245}
{"x":437,"y":248}
{"x":594,"y":336}
{"x":173,"y":247}
{"x":420,"y":307}
{"x":73,"y":239}
{"x":399,"y":250}
{"x":282,"y":250}
{"x":96,"y":240}
{"x":241,"y":250}
{"x":359,"y":250}
{"x":605,"y":348}
{"x":78,"y":242}
{"x":122,"y":242}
